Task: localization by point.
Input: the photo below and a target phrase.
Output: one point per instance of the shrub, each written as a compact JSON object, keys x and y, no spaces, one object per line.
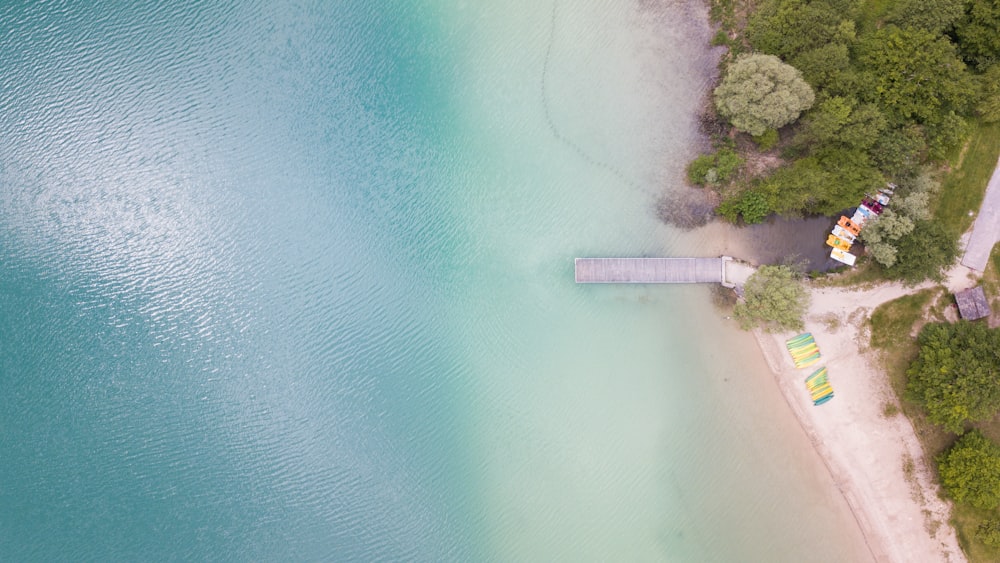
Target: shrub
{"x":970,"y":471}
{"x":715,"y":168}
{"x":767,"y":140}
{"x":988,"y":532}
{"x":773,"y":299}
{"x":954,"y":375}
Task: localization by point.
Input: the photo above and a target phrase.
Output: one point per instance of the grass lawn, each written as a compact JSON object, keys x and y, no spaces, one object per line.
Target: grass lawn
{"x":963,"y":188}
{"x":966,"y":520}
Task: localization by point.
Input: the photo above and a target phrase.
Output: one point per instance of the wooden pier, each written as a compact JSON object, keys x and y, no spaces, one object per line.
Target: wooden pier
{"x":721,"y":270}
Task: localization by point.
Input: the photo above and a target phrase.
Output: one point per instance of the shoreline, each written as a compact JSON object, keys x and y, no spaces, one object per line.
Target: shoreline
{"x":877,"y":462}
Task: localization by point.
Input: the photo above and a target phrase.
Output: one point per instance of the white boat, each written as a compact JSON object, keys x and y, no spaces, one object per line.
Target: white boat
{"x":844,"y":257}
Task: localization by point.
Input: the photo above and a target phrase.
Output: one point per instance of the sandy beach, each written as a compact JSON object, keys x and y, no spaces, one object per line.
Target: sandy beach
{"x":899,"y":510}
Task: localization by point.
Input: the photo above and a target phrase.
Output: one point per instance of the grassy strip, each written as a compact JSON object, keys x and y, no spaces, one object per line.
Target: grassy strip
{"x":966,"y":520}
{"x":963,"y":188}
{"x":895,"y":318}
{"x":866,"y":274}
{"x":892,"y":324}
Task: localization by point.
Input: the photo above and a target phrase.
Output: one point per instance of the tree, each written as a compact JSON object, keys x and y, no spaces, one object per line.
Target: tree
{"x":752,"y":205}
{"x":935,"y":16}
{"x":880,"y":236}
{"x":956,"y":376}
{"x":989,"y":104}
{"x":914,"y":74}
{"x":970,"y":471}
{"x":899,"y":149}
{"x":759,"y":92}
{"x":827,"y":66}
{"x":978,"y":33}
{"x":843,"y":122}
{"x":786,"y":28}
{"x":924,"y":252}
{"x":774,"y":299}
{"x":828,"y":181}
{"x":910,"y":205}
{"x":915,"y":202}
{"x":944,"y":134}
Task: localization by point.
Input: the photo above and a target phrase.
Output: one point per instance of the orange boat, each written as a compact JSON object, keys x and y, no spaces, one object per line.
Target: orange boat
{"x":851,"y":226}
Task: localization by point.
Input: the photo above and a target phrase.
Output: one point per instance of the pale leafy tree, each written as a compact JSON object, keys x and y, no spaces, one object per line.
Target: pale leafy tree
{"x":883,"y":253}
{"x":774,"y":299}
{"x":915,"y":206}
{"x":882,"y":235}
{"x":759,"y":92}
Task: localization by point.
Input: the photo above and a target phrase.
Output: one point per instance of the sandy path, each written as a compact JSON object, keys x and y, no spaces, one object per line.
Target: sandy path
{"x":899,"y":510}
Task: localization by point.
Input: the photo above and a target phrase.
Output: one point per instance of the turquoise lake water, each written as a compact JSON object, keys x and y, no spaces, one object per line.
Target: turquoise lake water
{"x":294,"y":281}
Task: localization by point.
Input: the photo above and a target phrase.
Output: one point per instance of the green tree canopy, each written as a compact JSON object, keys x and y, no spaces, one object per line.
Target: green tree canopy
{"x":899,"y":149}
{"x":914,"y":74}
{"x":978,"y":33}
{"x":935,"y":16}
{"x":774,"y":299}
{"x":956,"y":376}
{"x":786,"y":28}
{"x":911,"y":204}
{"x":924,"y":253}
{"x":970,"y":471}
{"x":843,"y":122}
{"x":832,"y":179}
{"x":827,"y":66}
{"x":759,"y":92}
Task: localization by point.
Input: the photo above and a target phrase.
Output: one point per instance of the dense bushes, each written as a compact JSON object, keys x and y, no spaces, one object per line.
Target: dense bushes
{"x":956,"y":376}
{"x":890,"y":94}
{"x":895,"y":229}
{"x":715,"y":168}
{"x":970,"y":472}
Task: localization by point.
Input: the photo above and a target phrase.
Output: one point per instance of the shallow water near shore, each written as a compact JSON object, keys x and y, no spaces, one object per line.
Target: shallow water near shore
{"x":295,"y":282}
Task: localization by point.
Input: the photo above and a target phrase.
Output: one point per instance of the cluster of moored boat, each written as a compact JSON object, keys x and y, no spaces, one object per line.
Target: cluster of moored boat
{"x":845,"y":232}
{"x":805,"y":352}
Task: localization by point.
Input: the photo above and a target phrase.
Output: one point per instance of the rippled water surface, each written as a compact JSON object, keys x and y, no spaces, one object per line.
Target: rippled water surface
{"x":293,"y":281}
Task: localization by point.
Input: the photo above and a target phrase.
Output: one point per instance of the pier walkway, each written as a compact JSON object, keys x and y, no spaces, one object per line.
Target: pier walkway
{"x":724,"y":270}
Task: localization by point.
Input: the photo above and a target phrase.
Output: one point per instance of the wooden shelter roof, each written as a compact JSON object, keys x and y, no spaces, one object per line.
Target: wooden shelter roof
{"x":972,"y":303}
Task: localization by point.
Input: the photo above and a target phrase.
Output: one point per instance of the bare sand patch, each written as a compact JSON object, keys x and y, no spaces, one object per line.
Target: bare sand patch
{"x":872,"y":452}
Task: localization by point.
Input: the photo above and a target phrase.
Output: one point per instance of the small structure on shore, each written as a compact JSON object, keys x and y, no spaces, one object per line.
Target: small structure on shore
{"x":972,"y":303}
